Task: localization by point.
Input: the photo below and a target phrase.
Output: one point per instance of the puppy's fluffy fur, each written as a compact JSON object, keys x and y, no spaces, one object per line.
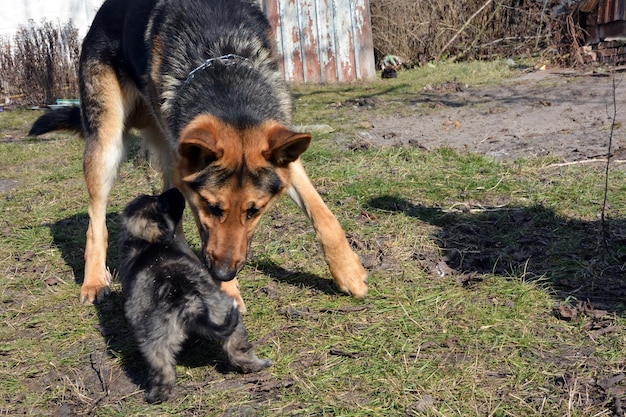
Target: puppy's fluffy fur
{"x":170,"y":296}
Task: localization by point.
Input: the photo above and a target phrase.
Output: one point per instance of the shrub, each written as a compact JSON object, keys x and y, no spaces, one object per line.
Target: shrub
{"x":421,"y":31}
{"x":40,"y":64}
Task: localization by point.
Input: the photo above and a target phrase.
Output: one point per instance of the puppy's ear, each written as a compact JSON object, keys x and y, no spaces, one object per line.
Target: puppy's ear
{"x":139,"y":221}
{"x":197,"y":148}
{"x":285,"y":146}
{"x":173,"y":203}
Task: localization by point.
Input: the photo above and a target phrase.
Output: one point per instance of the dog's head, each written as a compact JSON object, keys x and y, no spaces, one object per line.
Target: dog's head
{"x":230,"y":177}
{"x":153,"y":218}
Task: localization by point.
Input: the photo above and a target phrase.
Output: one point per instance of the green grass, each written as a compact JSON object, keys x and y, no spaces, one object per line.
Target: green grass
{"x":482,"y":340}
{"x":328,"y":104}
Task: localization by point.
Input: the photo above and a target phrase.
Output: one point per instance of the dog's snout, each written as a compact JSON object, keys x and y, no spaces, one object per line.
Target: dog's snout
{"x":223,"y":273}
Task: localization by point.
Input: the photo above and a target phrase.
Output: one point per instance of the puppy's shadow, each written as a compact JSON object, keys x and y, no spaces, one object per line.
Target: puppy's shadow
{"x":122,"y":345}
{"x":298,"y":279}
{"x":69,"y":237}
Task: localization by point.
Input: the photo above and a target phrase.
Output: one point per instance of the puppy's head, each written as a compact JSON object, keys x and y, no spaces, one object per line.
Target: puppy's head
{"x":153,"y":218}
{"x":230,"y":176}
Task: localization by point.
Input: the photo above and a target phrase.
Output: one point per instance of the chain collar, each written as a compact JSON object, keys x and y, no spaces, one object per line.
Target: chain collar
{"x":209,"y":62}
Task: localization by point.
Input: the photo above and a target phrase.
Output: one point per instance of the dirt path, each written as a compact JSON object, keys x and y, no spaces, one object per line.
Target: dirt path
{"x":556,"y":113}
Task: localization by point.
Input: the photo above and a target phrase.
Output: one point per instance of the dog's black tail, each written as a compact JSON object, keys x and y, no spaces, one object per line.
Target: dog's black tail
{"x":64,"y":118}
{"x":206,"y":328}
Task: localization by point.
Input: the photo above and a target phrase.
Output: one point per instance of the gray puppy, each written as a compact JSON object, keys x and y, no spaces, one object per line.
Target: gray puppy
{"x":169,"y":295}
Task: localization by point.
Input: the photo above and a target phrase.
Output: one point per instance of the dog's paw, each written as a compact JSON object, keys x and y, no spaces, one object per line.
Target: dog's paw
{"x":241,"y":304}
{"x":350,"y":277}
{"x":232,"y":288}
{"x":91,"y":293}
{"x":263,"y":364}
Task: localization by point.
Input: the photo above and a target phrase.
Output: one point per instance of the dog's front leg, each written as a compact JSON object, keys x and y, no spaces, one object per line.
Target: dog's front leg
{"x":232,"y":288}
{"x":344,"y":264}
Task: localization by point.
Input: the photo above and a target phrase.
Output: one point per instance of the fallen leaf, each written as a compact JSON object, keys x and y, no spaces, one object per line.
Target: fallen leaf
{"x":566,"y":313}
{"x":300,"y":312}
{"x":589,"y":310}
{"x":271,"y":385}
{"x":607,"y":383}
{"x":341,"y":352}
{"x":422,"y":405}
{"x":451,"y":124}
{"x":369,"y":216}
{"x":346,"y":309}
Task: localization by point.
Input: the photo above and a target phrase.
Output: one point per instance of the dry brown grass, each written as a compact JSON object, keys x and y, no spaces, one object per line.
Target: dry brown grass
{"x":40,"y":64}
{"x":421,"y":31}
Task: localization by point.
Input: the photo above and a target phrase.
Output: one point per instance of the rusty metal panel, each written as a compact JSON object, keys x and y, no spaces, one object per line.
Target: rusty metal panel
{"x":323,"y":40}
{"x":364,"y":47}
{"x":290,"y":28}
{"x":588,"y":6}
{"x":344,"y":49}
{"x":270,"y":7}
{"x":611,"y":11}
{"x":326,"y":41}
{"x":309,"y":41}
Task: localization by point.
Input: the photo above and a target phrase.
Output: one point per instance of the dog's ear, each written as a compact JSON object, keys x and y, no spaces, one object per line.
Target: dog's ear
{"x":197,"y":149}
{"x":285,"y":146}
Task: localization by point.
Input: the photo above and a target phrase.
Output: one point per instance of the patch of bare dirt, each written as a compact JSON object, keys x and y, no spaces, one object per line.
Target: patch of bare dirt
{"x":558,"y":114}
{"x":545,"y":113}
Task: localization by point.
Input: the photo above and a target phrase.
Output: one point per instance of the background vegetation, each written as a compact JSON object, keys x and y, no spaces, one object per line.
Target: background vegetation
{"x":421,"y":31}
{"x":41,"y":63}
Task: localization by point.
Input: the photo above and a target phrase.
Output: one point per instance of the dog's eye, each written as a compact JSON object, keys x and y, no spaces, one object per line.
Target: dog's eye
{"x":251,"y":212}
{"x":214,"y":210}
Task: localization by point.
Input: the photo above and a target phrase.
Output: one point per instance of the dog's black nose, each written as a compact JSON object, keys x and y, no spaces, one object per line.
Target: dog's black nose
{"x":223,"y":273}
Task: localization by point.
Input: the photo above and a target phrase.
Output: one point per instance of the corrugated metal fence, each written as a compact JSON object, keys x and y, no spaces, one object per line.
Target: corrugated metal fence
{"x":323,"y":40}
{"x":611,"y":11}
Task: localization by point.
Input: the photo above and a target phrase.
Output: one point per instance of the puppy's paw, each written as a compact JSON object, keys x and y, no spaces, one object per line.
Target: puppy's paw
{"x":255,"y":365}
{"x":158,"y":394}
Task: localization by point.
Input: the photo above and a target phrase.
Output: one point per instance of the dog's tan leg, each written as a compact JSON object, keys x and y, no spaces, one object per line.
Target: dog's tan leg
{"x":232,"y":288}
{"x":344,"y":264}
{"x":104,"y":150}
{"x":97,"y":278}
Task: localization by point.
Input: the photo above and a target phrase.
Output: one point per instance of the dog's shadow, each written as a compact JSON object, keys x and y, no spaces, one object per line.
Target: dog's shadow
{"x":297,"y":279}
{"x":573,"y":259}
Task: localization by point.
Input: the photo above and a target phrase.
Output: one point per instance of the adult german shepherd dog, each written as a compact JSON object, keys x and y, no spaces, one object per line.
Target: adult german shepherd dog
{"x":199,"y":80}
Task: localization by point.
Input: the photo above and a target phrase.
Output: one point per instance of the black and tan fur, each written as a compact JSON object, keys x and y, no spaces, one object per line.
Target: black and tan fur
{"x":169,"y":295}
{"x":199,"y":79}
